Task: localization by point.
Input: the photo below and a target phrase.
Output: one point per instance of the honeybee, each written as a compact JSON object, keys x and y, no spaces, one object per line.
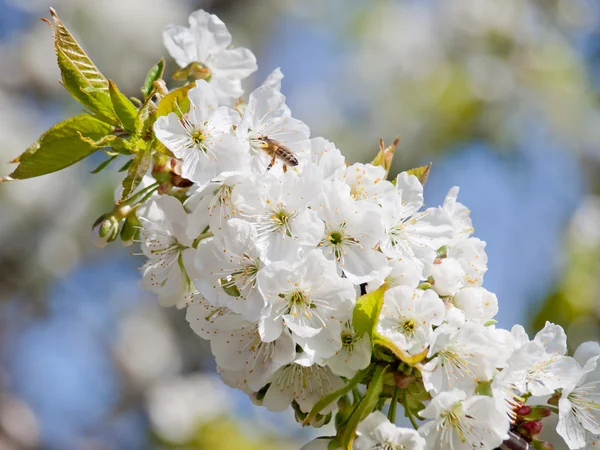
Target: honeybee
{"x":278,"y":152}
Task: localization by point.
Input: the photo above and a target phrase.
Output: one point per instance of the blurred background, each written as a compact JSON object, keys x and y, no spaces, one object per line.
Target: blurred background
{"x":502,"y":96}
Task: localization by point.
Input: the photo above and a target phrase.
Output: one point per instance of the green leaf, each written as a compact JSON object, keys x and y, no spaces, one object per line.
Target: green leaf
{"x":156,"y":73}
{"x":422,"y":173}
{"x":325,"y":401}
{"x":136,"y":171}
{"x":145,"y":118}
{"x":364,"y":408}
{"x":60,"y":147}
{"x":367,"y":310}
{"x":80,"y":76}
{"x":175,"y":101}
{"x":125,"y":110}
{"x":104,"y":164}
{"x":125,"y":166}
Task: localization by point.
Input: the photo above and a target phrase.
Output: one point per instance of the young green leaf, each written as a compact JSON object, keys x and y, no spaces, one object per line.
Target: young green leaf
{"x":104,"y":164}
{"x":136,"y":171}
{"x":145,"y":118}
{"x":422,"y":173}
{"x":156,"y":73}
{"x":125,"y":110}
{"x":367,"y":310}
{"x":80,"y":76}
{"x":364,"y":408}
{"x":175,"y":101}
{"x":61,"y":146}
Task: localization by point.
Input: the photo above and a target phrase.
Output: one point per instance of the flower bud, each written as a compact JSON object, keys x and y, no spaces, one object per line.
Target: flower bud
{"x":523,"y":410}
{"x":319,"y":421}
{"x":130,"y":229}
{"x":108,"y":230}
{"x":530,"y":429}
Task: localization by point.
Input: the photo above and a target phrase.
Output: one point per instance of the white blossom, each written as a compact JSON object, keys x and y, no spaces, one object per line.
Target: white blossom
{"x":268,"y":122}
{"x":202,"y":316}
{"x":377,"y":432}
{"x":273,"y":80}
{"x":354,"y":355}
{"x":165,"y":243}
{"x":408,"y":316}
{"x":238,"y":347}
{"x":463,"y":423}
{"x":201,"y":138}
{"x":228,"y":266}
{"x":459,"y":214}
{"x":579,"y":405}
{"x":279,"y":208}
{"x":305,"y":385}
{"x":463,"y":265}
{"x":409,"y":233}
{"x":351,"y":232}
{"x":309,"y":299}
{"x":325,"y":155}
{"x":461,"y":357}
{"x":476,"y":303}
{"x":367,"y":182}
{"x":207,"y":42}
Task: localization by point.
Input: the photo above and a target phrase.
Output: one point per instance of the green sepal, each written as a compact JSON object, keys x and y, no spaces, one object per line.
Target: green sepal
{"x":386,"y":155}
{"x":232,"y":290}
{"x":79,"y":74}
{"x":422,"y":173}
{"x":155,"y":73}
{"x":124,"y":108}
{"x":175,"y":101}
{"x":136,"y":171}
{"x":60,"y":147}
{"x":364,"y":408}
{"x":484,"y":388}
{"x":104,"y":164}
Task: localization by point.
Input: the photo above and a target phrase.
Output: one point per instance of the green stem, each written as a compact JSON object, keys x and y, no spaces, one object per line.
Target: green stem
{"x":142,"y":193}
{"x":409,"y":413}
{"x":551,"y":408}
{"x":356,"y":395}
{"x":381,"y":403}
{"x":201,"y":237}
{"x":393,"y":405}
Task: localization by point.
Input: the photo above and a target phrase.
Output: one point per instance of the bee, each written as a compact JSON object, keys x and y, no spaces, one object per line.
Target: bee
{"x":278,"y":152}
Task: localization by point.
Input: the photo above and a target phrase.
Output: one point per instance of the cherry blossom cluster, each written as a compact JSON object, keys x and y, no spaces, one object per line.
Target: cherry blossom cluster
{"x":278,"y":239}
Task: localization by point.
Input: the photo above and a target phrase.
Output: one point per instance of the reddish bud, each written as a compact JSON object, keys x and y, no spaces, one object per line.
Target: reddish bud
{"x":523,"y":410}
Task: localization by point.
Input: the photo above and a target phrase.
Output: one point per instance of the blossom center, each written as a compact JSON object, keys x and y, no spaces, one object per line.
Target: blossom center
{"x":338,"y":240}
{"x":408,"y":327}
